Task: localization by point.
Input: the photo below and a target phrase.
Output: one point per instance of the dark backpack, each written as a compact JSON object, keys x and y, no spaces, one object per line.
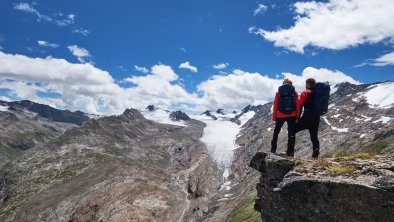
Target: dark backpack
{"x":287,"y":103}
{"x":321,"y":95}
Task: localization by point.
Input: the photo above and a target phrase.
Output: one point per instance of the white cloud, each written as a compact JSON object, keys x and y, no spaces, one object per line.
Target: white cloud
{"x":236,"y":90}
{"x":321,"y":75}
{"x":30,"y":9}
{"x":221,"y":65}
{"x":182,"y":49}
{"x":85,"y":87}
{"x":82,"y":54}
{"x":81,"y":31}
{"x":141,"y":69}
{"x":186,"y":65}
{"x":47,"y":44}
{"x":261,"y":8}
{"x":57,"y":18}
{"x":336,"y":24}
{"x":384,"y":60}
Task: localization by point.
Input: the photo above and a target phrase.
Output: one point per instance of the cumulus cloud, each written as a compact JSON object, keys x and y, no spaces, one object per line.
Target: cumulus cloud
{"x":221,"y":65}
{"x":82,"y":54}
{"x":87,"y":88}
{"x":335,"y":24}
{"x":141,"y":69}
{"x":261,"y":8}
{"x":334,"y":77}
{"x":236,"y":90}
{"x":47,"y":44}
{"x":186,"y":65}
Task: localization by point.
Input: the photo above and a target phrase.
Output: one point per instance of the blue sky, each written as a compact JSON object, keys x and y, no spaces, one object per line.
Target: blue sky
{"x":119,"y":35}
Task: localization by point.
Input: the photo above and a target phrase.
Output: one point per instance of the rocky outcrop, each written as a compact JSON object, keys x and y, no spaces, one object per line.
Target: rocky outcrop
{"x":245,"y":110}
{"x":208,"y":113}
{"x":335,"y":189}
{"x":220,"y":111}
{"x":179,"y":115}
{"x":151,"y":108}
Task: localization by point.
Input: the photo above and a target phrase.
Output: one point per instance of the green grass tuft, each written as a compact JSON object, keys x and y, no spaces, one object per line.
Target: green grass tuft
{"x":244,"y":211}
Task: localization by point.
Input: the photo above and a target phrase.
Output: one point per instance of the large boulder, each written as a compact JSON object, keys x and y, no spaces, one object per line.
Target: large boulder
{"x":340,"y":189}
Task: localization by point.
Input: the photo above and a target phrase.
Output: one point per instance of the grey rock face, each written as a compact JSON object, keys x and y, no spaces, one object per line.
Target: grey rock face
{"x":151,"y":108}
{"x":208,"y":113}
{"x":220,"y":111}
{"x":25,"y":124}
{"x":179,"y":115}
{"x":338,"y":189}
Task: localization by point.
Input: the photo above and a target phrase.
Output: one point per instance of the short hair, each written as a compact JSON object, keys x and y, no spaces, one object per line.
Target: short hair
{"x":311,"y":81}
{"x":286,"y":80}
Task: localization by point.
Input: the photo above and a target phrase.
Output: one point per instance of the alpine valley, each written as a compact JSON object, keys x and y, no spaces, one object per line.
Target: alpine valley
{"x":160,"y":165}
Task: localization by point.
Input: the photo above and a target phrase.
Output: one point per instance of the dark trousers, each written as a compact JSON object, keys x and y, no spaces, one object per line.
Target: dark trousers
{"x":290,"y":134}
{"x":311,"y":123}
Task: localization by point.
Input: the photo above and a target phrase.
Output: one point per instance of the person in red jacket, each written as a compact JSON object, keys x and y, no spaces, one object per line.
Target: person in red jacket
{"x":286,"y":109}
{"x":309,"y":120}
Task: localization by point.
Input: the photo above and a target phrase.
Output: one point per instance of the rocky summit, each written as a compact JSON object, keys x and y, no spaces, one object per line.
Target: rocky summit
{"x":333,"y":189}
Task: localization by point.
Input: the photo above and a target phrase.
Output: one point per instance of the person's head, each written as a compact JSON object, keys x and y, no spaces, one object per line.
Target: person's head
{"x":310,"y":83}
{"x":287,"y":81}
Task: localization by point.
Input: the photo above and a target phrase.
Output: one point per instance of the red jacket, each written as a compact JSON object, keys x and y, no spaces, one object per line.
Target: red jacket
{"x":304,"y":96}
{"x":276,"y":114}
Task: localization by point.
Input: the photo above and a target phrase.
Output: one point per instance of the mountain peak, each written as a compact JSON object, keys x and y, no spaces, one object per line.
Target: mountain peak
{"x":132,"y":113}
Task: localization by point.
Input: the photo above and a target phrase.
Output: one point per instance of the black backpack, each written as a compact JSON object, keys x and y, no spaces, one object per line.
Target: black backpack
{"x":287,"y":100}
{"x":321,"y":96}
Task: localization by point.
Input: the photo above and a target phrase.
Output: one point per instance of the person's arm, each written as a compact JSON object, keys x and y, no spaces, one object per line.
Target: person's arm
{"x":304,"y":97}
{"x":298,"y":107}
{"x":275,"y":108}
{"x":302,"y":100}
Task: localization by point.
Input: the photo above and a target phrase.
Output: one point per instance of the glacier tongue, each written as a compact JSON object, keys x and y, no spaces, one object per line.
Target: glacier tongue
{"x":220,"y":135}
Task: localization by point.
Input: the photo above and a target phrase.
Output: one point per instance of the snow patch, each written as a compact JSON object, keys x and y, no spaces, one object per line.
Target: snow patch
{"x":363,"y":135}
{"x":246,"y":117}
{"x":161,"y":116}
{"x":3,"y":108}
{"x":383,"y":119}
{"x":380,"y":95}
{"x":340,"y":130}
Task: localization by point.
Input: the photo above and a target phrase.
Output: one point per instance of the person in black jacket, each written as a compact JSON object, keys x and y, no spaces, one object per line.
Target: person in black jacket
{"x":309,"y":120}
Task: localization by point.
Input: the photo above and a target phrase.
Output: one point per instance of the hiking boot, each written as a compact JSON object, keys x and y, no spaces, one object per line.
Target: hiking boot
{"x":289,"y":154}
{"x":273,"y":147}
{"x":315,"y":154}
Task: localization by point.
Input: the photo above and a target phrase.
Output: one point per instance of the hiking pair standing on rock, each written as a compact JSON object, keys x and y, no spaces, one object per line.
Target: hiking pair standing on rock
{"x":300,"y":113}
